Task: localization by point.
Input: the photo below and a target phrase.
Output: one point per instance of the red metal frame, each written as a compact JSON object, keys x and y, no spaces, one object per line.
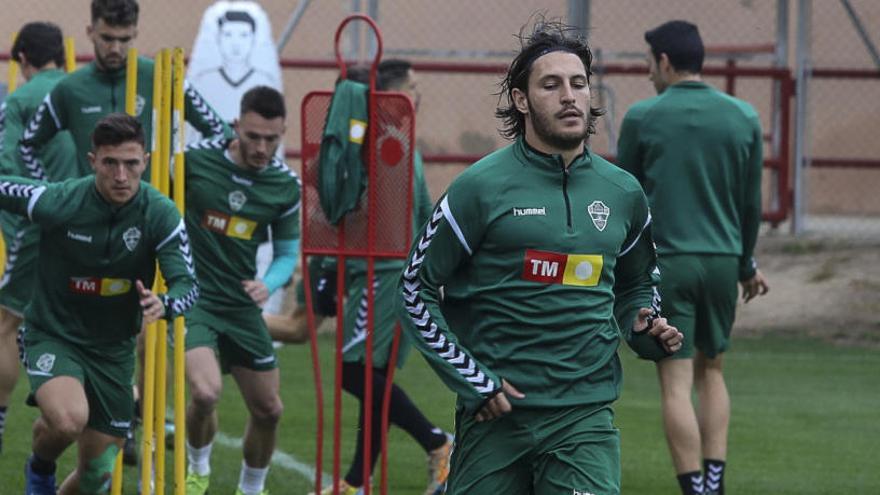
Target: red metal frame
{"x":342,"y":251}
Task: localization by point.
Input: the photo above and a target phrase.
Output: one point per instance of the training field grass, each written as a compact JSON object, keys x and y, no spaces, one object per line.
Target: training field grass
{"x":806,"y":419}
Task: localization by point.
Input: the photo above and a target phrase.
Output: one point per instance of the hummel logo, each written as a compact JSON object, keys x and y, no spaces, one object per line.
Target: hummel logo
{"x":79,"y":237}
{"x":91,"y":109}
{"x":242,"y":181}
{"x":525,"y":212}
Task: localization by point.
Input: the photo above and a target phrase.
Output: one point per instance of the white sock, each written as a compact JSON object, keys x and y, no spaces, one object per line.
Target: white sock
{"x":252,"y":480}
{"x":199,"y":459}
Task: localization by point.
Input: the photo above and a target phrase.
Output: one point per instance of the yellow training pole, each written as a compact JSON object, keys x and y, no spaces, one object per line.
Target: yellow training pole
{"x":131,"y":68}
{"x":12,"y":79}
{"x":179,"y":335}
{"x":152,"y":329}
{"x":69,"y":55}
{"x":162,"y":342}
{"x":130,"y":94}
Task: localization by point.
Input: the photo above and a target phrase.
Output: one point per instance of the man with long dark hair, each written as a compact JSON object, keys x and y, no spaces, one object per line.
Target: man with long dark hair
{"x":544,"y":253}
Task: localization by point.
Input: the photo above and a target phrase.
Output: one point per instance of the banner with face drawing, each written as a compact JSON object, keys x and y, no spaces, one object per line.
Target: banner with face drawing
{"x":232,"y":53}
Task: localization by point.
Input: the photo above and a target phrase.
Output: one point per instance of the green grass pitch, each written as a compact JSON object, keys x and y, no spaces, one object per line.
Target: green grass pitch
{"x":805,"y":421}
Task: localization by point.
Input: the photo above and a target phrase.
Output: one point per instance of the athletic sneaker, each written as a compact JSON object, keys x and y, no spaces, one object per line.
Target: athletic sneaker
{"x":438,"y":468}
{"x":36,"y":484}
{"x":130,"y":447}
{"x":195,"y":484}
{"x":344,"y":489}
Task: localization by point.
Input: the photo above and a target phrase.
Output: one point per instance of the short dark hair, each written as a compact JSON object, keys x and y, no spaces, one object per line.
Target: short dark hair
{"x":115,"y":129}
{"x":547,"y":36}
{"x":681,"y":42}
{"x":265,"y":101}
{"x":236,"y":16}
{"x":116,"y":12}
{"x":40,"y":43}
{"x":392,"y":73}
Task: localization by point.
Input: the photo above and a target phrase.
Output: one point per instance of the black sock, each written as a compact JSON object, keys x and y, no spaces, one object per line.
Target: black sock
{"x":137,"y":411}
{"x":42,"y":466}
{"x":691,"y":483}
{"x":714,"y":470}
{"x":2,"y":424}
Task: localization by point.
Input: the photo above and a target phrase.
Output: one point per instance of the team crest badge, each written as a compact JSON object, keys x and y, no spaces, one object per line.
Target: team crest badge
{"x":237,"y":199}
{"x":139,"y":103}
{"x":131,"y":237}
{"x":599,"y":214}
{"x":46,"y":362}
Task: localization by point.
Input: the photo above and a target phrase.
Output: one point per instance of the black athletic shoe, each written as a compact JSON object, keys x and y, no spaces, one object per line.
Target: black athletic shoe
{"x":130,"y":448}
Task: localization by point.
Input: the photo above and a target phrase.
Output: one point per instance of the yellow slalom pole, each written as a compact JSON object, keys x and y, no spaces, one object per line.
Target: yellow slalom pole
{"x":131,"y":68}
{"x":162,"y":342}
{"x":69,"y":54}
{"x":179,"y":334}
{"x":153,"y":328}
{"x":12,"y":79}
{"x":130,"y":94}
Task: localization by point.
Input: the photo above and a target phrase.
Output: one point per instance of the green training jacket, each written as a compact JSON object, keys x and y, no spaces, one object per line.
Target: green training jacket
{"x":87,"y":95}
{"x":698,"y":153}
{"x":541,"y":267}
{"x":91,"y":254}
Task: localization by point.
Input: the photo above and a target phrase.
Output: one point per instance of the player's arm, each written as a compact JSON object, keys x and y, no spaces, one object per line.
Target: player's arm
{"x":637,"y":301}
{"x":48,"y":120}
{"x":628,"y":154}
{"x":445,"y":242}
{"x":20,"y":195}
{"x":175,"y":258}
{"x":202,"y":116}
{"x":750,"y":207}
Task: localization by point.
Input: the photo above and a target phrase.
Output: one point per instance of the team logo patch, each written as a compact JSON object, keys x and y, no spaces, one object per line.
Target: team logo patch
{"x":237,"y":199}
{"x":131,"y":237}
{"x":357,"y":129}
{"x":46,"y":362}
{"x":599,"y":213}
{"x":139,"y":103}
{"x":546,"y":267}
{"x":229,"y":225}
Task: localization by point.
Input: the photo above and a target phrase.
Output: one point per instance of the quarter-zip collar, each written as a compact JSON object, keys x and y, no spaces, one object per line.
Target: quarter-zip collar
{"x":531,"y":157}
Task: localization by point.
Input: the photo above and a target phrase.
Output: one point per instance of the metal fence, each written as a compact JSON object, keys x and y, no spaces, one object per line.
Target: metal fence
{"x":462,"y":45}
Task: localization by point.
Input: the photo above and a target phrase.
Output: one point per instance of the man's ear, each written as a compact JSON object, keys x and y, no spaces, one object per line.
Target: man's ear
{"x":520,"y":100}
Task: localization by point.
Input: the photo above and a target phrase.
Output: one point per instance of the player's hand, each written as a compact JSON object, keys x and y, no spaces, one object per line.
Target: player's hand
{"x":257,"y":290}
{"x":151,"y":305}
{"x":755,"y":286}
{"x":668,"y":336}
{"x":498,"y":405}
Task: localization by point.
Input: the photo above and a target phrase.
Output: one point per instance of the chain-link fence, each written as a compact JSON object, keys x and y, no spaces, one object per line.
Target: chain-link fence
{"x":461,"y":46}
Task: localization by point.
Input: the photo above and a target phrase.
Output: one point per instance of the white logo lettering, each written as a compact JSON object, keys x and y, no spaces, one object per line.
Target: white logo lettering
{"x":91,"y":109}
{"x":216,"y":222}
{"x":523,"y":212}
{"x":241,"y":180}
{"x":79,"y":237}
{"x":549,"y":268}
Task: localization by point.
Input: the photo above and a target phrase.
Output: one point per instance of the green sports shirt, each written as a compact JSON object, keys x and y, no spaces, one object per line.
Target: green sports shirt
{"x":698,"y":153}
{"x":541,"y":268}
{"x":18,"y":109}
{"x":88,"y":94}
{"x":91,"y":254}
{"x":230,"y":211}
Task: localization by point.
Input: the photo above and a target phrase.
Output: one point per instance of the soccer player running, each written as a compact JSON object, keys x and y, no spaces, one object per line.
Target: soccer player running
{"x":544,"y":255}
{"x":39,"y":50}
{"x":100,"y":239}
{"x":237,"y":193}
{"x":698,"y":154}
{"x":393,"y":75}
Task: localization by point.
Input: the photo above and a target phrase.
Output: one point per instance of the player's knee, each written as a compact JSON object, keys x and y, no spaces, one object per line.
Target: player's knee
{"x":96,"y":474}
{"x":205,"y":397}
{"x":68,"y":423}
{"x":268,"y":411}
